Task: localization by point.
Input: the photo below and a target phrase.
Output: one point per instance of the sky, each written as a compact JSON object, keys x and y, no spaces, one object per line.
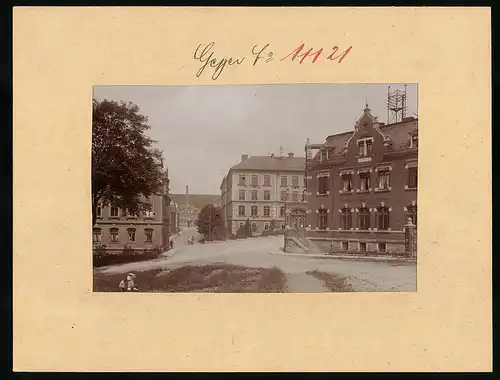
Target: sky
{"x":204,"y":130}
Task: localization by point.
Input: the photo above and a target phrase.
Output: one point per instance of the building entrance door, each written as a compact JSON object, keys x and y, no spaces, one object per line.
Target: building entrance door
{"x":298,"y":219}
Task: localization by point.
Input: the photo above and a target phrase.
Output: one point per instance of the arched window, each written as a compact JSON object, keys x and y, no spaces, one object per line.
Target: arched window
{"x":364,"y":218}
{"x":302,"y":222}
{"x":412,"y":213}
{"x":383,"y":218}
{"x":322,"y":219}
{"x":346,"y":218}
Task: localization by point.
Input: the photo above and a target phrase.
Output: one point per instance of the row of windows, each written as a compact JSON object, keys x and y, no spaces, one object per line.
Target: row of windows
{"x":254,"y":211}
{"x":113,"y":235}
{"x":266,"y":226}
{"x":383,"y":181}
{"x":254,"y":180}
{"x":284,"y":195}
{"x":382,"y":217}
{"x":116,"y":212}
{"x":346,"y":246}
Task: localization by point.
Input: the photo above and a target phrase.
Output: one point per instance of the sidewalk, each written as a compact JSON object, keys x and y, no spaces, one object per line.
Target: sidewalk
{"x":346,"y":257}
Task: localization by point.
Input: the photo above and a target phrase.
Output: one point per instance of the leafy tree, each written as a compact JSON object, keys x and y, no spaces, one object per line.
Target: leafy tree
{"x":248,"y":228}
{"x":245,"y":230}
{"x":272,"y":225}
{"x":210,"y":222}
{"x":126,"y":168}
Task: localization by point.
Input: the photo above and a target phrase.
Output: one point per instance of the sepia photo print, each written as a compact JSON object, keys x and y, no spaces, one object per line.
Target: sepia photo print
{"x":299,"y":188}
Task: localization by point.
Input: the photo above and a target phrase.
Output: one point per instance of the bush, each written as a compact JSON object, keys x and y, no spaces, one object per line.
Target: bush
{"x":269,"y":232}
{"x":242,"y":233}
{"x":101,"y":257}
{"x":99,"y":252}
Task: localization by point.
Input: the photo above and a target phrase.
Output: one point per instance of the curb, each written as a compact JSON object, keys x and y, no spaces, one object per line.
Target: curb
{"x":344,"y":257}
{"x":171,"y":252}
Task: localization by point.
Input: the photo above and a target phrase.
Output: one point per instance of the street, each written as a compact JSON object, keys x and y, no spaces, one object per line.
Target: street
{"x":255,"y":252}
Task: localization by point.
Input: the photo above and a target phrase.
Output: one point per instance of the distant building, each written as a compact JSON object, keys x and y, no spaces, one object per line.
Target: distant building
{"x":174,"y":217}
{"x":362,"y":186}
{"x":264,"y":189}
{"x":190,"y":206}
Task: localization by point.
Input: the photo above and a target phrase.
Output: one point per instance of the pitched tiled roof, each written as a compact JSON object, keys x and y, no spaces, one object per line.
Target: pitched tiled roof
{"x":196,"y":200}
{"x":271,"y":163}
{"x":398,"y":133}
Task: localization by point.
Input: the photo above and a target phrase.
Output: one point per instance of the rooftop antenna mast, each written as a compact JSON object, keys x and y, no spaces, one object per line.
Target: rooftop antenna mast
{"x":396,"y":105}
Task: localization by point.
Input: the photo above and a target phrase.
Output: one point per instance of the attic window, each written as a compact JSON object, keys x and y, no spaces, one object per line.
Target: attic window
{"x":365,"y":147}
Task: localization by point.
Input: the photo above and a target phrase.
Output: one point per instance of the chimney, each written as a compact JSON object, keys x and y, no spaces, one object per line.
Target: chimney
{"x":187,"y":196}
{"x":244,"y":157}
{"x":290,"y":155}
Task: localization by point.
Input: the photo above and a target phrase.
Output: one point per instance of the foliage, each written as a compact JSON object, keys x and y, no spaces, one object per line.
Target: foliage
{"x":128,"y":255}
{"x":210,"y":223}
{"x":99,"y":251}
{"x":126,"y":168}
{"x":269,"y":232}
{"x":272,"y":224}
{"x":244,"y":231}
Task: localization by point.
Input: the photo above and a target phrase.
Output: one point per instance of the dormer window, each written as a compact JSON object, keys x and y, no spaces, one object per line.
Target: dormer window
{"x":414,"y":142}
{"x":365,"y":147}
{"x":324,"y":155}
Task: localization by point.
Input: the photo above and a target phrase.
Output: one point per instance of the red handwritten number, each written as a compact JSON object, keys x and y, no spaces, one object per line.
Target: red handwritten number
{"x":296,"y":53}
{"x":342,"y":55}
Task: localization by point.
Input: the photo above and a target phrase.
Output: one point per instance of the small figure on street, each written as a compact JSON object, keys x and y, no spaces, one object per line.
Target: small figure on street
{"x":171,"y":244}
{"x":128,"y":285}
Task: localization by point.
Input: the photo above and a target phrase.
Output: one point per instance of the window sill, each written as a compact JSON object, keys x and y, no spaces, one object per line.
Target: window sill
{"x":364,"y":158}
{"x":363,"y":191}
{"x":383,"y":190}
{"x":410,"y":188}
{"x":323,"y":194}
{"x":346,"y":192}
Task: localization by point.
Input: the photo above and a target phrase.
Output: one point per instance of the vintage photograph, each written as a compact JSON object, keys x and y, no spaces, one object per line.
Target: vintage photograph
{"x":298,"y":188}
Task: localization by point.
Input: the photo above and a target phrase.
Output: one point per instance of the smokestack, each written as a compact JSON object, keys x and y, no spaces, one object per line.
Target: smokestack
{"x":244,"y":157}
{"x":290,"y":155}
{"x":187,"y":195}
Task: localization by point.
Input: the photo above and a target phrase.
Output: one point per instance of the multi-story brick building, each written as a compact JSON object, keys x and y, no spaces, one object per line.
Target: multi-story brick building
{"x":116,"y":228}
{"x":362,"y":186}
{"x":263,"y":189}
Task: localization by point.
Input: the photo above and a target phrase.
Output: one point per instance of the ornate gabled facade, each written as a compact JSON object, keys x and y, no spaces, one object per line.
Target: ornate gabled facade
{"x":362,"y":186}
